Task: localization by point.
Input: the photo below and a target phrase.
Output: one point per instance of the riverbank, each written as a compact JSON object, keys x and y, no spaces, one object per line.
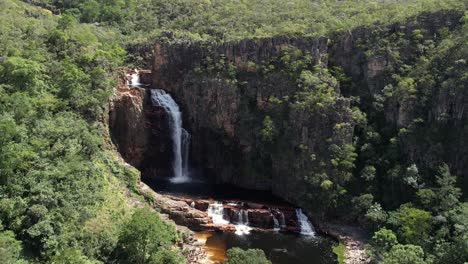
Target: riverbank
{"x":354,"y":239}
{"x":190,"y":247}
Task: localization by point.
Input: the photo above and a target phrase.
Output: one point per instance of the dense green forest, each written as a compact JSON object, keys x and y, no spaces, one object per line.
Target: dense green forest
{"x":221,"y":20}
{"x":64,"y":192}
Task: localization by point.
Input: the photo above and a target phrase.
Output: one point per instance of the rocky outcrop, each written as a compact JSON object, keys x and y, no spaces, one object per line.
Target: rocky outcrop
{"x":354,"y":239}
{"x":193,"y":213}
{"x":127,"y":122}
{"x":139,"y":129}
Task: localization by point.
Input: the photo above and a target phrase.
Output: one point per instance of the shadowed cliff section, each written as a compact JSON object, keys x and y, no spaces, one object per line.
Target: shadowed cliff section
{"x":140,"y":130}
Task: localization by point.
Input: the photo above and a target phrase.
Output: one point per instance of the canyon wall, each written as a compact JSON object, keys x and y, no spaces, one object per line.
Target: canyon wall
{"x":277,"y":114}
{"x":225,"y":118}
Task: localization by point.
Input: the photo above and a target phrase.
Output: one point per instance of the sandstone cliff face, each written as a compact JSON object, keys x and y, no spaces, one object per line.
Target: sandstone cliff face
{"x":127,"y":123}
{"x":225,"y":117}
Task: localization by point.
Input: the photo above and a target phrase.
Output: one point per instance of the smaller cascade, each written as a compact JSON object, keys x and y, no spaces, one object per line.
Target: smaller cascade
{"x":185,"y":152}
{"x":135,"y":78}
{"x":306,"y":227}
{"x":276,"y":225}
{"x":239,"y":218}
{"x":246,"y":216}
{"x":216,"y":212}
{"x":282,"y":220}
{"x":242,"y":225}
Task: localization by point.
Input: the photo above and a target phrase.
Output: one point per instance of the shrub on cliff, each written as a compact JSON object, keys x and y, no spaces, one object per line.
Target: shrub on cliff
{"x":146,"y":238}
{"x":250,"y":256}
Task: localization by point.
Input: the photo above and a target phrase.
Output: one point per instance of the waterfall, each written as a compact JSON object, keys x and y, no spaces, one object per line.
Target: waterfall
{"x":239,"y":217}
{"x":282,"y":220}
{"x":241,"y":221}
{"x":185,"y":152}
{"x":276,"y":225}
{"x":304,"y":223}
{"x":180,"y":137}
{"x":246,"y":217}
{"x":242,"y":226}
{"x":216,"y":212}
{"x":135,"y":79}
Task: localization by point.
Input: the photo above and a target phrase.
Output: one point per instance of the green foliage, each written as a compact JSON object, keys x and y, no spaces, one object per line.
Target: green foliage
{"x":22,"y":73}
{"x":383,"y":240}
{"x":231,"y":19}
{"x":166,"y":256}
{"x":404,"y":254}
{"x":368,"y":173}
{"x":376,"y":215}
{"x":318,"y":87}
{"x":250,"y":256}
{"x":446,"y":193}
{"x":339,"y":251}
{"x":362,"y":203}
{"x":143,"y":236}
{"x":267,"y":133}
{"x":10,"y":249}
{"x":70,"y":256}
{"x":55,"y":77}
{"x":413,"y":224}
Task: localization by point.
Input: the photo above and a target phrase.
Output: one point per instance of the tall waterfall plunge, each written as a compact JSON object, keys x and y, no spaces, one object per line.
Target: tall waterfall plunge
{"x":180,"y":137}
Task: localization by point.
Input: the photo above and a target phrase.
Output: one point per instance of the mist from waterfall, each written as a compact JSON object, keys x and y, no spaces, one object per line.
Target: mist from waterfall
{"x":180,"y":137}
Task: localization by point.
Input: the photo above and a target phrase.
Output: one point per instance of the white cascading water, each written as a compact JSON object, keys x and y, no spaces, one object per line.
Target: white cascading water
{"x":242,"y":226}
{"x":276,"y":225}
{"x":306,"y":227}
{"x":135,"y":79}
{"x":180,"y":137}
{"x":185,"y":152}
{"x":282,"y":220}
{"x":216,"y":212}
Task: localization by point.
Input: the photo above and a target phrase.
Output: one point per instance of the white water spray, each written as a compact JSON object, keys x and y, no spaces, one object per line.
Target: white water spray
{"x":242,"y":226}
{"x":306,"y":227}
{"x":180,"y":137}
{"x":241,"y":221}
{"x":216,"y":212}
{"x":135,"y":79}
